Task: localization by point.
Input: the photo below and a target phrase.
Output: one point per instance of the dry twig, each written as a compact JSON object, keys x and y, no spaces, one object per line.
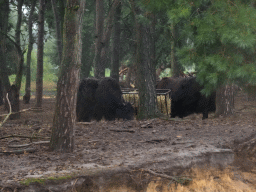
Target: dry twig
{"x":122,"y":130}
{"x":24,"y":110}
{"x":84,"y":123}
{"x":7,"y":116}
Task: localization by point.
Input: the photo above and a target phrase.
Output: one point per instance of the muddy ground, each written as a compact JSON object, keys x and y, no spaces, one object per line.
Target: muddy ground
{"x":117,"y":143}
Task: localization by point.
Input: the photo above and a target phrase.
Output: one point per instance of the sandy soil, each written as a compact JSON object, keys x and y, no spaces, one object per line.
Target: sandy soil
{"x":112,"y":143}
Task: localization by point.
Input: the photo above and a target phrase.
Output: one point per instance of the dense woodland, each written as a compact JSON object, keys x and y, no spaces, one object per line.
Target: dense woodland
{"x":65,"y":41}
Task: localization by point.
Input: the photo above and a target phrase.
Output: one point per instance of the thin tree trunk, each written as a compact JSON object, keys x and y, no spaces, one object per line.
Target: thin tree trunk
{"x":152,"y":53}
{"x":174,"y":66}
{"x":4,"y":11}
{"x":40,"y":54}
{"x":102,"y":37}
{"x":116,"y":43}
{"x":18,"y":24}
{"x":62,"y":138}
{"x":58,"y":30}
{"x":87,"y":57}
{"x":61,"y":11}
{"x":107,"y":34}
{"x":1,"y":93}
{"x":26,"y":97}
{"x":15,"y":88}
{"x":20,"y":53}
{"x":225,"y":100}
{"x":99,"y":71}
{"x":128,"y":76}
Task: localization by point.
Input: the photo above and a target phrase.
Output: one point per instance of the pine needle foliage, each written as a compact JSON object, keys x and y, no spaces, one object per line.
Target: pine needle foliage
{"x":220,"y":38}
{"x":223,"y":44}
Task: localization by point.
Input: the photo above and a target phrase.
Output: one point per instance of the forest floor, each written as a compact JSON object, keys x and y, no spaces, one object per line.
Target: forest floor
{"x":103,"y":143}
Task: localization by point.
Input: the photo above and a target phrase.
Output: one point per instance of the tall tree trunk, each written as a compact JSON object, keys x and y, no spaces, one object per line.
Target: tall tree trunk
{"x":18,"y":24}
{"x":40,"y":54}
{"x":15,"y":88}
{"x":107,"y":34}
{"x":62,"y":138}
{"x":57,"y":29}
{"x":225,"y":100}
{"x":4,"y":12}
{"x":145,"y":70}
{"x":102,"y":37}
{"x":18,"y":45}
{"x":26,"y":97}
{"x":152,"y":52}
{"x":174,"y":65}
{"x":99,"y":71}
{"x":87,"y":57}
{"x":1,"y":93}
{"x":61,"y":11}
{"x":116,"y":43}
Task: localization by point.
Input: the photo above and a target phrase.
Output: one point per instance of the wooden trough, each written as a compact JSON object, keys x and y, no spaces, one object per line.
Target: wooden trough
{"x":163,"y":100}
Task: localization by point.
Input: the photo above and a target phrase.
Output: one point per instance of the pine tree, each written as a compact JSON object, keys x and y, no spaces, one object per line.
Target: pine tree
{"x":62,"y":138}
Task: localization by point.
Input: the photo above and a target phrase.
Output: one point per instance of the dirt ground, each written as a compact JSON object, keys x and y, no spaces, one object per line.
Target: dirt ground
{"x":113,"y":143}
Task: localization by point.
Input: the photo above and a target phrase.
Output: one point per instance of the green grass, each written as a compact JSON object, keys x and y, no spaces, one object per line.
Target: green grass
{"x":48,"y":85}
{"x":42,"y":181}
{"x":28,"y":181}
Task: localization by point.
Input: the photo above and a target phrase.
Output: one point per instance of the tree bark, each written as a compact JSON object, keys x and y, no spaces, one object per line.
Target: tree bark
{"x":18,"y":46}
{"x":26,"y":97}
{"x":4,"y":12}
{"x":107,"y":34}
{"x":145,"y":70}
{"x":40,"y":54}
{"x":225,"y":100}
{"x":116,"y":43}
{"x":1,"y":93}
{"x":174,"y":65}
{"x":15,"y":88}
{"x":99,"y":71}
{"x":57,"y":29}
{"x":18,"y":24}
{"x":128,"y":76}
{"x":87,"y":56}
{"x":102,"y":37}
{"x":62,"y":138}
{"x":61,"y":11}
{"x":153,"y":47}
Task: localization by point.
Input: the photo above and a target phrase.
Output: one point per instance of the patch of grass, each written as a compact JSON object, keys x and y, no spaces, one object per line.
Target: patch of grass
{"x":42,"y":181}
{"x":28,"y":181}
{"x":59,"y":178}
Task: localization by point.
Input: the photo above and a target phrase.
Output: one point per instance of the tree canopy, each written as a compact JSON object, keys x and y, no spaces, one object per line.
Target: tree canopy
{"x":218,"y":38}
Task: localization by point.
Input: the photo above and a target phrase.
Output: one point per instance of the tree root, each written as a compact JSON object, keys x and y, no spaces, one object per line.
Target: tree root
{"x":22,"y":151}
{"x":7,"y":115}
{"x":24,"y":136}
{"x":28,"y":144}
{"x":181,"y":180}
